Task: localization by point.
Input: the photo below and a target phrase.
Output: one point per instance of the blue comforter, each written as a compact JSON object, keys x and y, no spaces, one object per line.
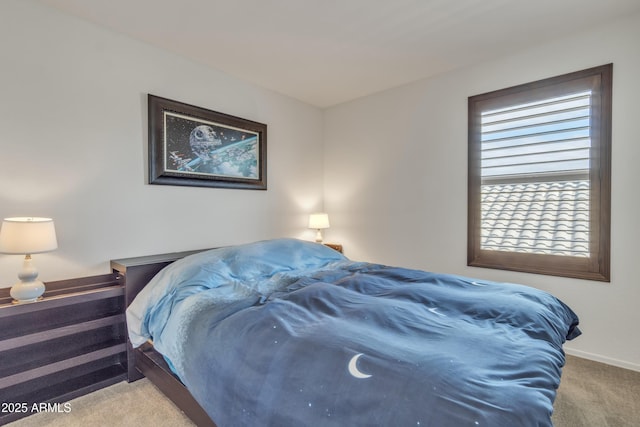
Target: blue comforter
{"x":288,"y":333}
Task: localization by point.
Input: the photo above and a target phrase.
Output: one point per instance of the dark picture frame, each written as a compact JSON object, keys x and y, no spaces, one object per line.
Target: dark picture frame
{"x":193,"y":146}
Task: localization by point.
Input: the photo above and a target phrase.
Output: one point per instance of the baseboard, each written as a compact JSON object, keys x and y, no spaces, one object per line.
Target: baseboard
{"x":603,"y":359}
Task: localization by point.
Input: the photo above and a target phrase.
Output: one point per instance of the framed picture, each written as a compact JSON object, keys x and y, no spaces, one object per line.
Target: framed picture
{"x":194,"y":146}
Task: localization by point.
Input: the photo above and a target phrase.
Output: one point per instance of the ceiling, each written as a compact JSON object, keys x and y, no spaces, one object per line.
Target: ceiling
{"x":325,"y":52}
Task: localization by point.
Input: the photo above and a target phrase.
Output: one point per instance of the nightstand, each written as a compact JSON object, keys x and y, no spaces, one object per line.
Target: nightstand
{"x":335,"y":246}
{"x":71,"y":343}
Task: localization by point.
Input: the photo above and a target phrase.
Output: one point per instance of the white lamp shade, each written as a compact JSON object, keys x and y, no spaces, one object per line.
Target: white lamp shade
{"x":318,"y":221}
{"x":27,"y":235}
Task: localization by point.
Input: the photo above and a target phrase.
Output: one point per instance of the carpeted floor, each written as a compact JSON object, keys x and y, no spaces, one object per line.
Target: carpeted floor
{"x":591,"y":394}
{"x":137,"y":404}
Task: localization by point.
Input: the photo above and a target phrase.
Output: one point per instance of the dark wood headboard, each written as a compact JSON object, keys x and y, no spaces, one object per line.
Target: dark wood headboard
{"x":135,"y":274}
{"x":139,"y":270}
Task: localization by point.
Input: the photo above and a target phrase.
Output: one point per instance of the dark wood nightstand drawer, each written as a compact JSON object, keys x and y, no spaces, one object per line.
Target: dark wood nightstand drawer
{"x":69,"y":344}
{"x":335,"y":246}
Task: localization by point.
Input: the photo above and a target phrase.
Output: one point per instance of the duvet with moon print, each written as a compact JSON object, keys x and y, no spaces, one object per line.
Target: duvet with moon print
{"x":310,"y":338}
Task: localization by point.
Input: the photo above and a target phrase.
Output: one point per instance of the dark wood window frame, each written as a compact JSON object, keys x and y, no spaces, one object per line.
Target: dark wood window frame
{"x":597,"y":265}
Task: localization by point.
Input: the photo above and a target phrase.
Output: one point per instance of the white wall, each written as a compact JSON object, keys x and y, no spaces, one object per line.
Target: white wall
{"x":396,"y":179}
{"x":74,"y":147}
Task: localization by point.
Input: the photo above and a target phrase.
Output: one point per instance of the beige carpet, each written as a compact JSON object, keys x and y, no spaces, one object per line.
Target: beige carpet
{"x":137,"y":404}
{"x":591,"y":395}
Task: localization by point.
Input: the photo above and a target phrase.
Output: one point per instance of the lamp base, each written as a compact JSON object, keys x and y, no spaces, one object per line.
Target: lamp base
{"x":28,"y":289}
{"x":16,"y":302}
{"x":27,"y":292}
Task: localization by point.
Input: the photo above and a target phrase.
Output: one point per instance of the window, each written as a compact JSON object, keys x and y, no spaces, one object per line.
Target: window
{"x":540,"y":176}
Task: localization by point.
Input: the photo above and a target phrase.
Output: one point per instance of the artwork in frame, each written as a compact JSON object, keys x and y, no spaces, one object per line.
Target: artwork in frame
{"x":193,"y":146}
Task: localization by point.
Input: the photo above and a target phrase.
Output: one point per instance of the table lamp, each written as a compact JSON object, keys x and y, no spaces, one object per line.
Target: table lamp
{"x":319,"y":221}
{"x":27,"y":236}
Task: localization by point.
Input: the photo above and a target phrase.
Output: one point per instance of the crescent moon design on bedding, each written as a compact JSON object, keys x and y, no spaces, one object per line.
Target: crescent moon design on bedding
{"x":353,"y":367}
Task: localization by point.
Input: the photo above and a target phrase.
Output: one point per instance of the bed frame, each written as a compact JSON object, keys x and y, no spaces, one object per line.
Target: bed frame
{"x":144,"y":361}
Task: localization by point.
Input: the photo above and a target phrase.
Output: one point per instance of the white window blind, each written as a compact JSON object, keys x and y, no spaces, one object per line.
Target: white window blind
{"x":535,"y":161}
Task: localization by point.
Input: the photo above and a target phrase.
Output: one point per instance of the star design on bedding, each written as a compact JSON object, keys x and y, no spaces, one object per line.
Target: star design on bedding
{"x":434,"y":310}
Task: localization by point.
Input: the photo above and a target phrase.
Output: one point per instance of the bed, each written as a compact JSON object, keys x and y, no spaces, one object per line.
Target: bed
{"x":291,"y":333}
